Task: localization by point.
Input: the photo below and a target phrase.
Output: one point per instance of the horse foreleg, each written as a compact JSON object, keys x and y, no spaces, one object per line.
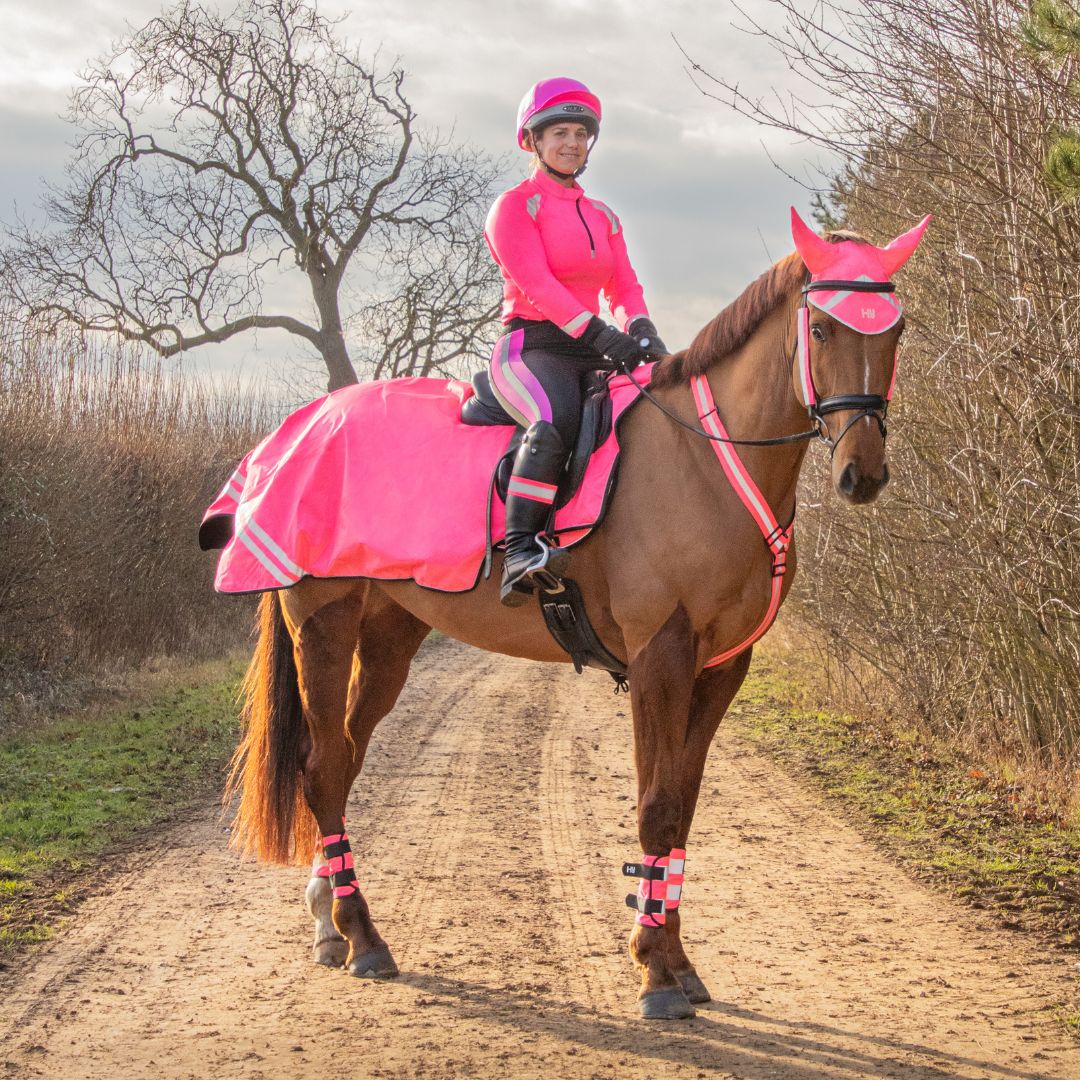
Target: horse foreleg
{"x":713,"y":693}
{"x":661,"y":683}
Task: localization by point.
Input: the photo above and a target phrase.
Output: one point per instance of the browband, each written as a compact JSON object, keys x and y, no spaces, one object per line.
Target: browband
{"x":850,"y":286}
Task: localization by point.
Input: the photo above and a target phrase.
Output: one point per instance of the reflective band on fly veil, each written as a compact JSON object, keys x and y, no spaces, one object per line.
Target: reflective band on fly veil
{"x":339,"y":864}
{"x":806,"y":378}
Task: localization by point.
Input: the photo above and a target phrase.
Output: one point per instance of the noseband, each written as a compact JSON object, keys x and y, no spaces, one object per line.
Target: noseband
{"x":872,"y":405}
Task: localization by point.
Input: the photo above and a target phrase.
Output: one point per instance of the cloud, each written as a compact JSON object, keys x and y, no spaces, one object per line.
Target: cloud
{"x":697,"y":193}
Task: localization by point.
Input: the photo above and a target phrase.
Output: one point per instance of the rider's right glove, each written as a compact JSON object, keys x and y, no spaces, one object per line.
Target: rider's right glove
{"x":643,"y":331}
{"x":614,"y":344}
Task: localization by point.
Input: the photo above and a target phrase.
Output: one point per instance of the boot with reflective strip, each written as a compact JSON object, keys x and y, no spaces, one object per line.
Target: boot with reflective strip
{"x":339,"y":864}
{"x":650,"y":900}
{"x":530,"y":496}
{"x":660,"y":889}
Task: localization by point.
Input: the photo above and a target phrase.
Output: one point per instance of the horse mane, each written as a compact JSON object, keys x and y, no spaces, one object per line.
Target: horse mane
{"x":734,"y":325}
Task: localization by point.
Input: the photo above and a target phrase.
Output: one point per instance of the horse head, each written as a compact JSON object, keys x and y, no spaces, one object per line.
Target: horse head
{"x":849,"y":330}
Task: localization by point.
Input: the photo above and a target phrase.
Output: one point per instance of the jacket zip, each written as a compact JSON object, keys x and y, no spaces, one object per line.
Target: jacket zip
{"x":592,"y":246}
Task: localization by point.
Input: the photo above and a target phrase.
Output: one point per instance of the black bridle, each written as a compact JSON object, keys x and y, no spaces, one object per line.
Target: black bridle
{"x":865,"y":405}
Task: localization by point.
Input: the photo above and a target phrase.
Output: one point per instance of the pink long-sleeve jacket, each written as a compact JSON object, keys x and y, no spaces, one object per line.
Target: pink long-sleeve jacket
{"x":557,"y":250}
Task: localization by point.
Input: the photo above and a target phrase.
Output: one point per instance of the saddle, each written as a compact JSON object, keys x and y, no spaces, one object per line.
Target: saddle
{"x":562,"y":604}
{"x":483,"y":410}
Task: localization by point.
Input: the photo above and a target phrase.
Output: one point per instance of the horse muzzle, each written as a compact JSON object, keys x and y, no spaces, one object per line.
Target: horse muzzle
{"x":857,"y":486}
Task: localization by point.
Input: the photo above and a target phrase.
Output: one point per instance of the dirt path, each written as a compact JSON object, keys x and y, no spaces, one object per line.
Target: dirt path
{"x":491,"y":858}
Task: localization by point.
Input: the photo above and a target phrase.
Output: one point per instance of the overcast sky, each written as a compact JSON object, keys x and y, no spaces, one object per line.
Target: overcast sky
{"x":704,"y":209}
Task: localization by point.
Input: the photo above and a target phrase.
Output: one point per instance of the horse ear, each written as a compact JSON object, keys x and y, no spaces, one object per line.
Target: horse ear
{"x":815,"y":252}
{"x":894,"y":255}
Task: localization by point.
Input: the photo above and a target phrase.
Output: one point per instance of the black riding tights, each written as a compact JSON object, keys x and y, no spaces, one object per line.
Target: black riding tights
{"x":538,"y":373}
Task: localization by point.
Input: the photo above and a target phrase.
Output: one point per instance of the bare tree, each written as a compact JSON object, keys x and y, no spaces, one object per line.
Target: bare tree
{"x":219,"y":153}
{"x":942,"y":106}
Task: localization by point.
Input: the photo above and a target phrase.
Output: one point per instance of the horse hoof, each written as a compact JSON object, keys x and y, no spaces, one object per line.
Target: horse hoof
{"x":670,"y":1004}
{"x":330,"y":952}
{"x":377,"y":963}
{"x":697,"y":993}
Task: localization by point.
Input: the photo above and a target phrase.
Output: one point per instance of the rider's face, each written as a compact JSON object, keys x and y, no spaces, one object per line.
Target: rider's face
{"x":562,"y":146}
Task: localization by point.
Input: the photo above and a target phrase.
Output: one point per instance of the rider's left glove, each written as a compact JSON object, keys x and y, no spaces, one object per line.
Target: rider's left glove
{"x":643,"y":331}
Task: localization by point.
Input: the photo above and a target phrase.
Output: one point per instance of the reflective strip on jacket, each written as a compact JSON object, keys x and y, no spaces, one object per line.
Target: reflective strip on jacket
{"x":558,"y":250}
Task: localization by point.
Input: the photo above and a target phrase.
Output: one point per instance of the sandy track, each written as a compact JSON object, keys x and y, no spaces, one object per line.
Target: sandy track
{"x":490,"y":825}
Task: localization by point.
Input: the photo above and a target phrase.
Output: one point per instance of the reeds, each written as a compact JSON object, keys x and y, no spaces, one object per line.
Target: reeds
{"x":107,"y":460}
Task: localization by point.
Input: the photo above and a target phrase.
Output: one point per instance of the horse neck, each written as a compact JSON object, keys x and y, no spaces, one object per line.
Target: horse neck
{"x":756,"y":399}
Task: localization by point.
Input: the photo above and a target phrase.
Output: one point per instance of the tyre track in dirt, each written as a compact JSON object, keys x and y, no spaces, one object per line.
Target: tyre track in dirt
{"x":490,"y":824}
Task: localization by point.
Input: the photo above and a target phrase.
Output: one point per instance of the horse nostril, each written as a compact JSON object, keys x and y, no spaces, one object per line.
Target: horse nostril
{"x":847,"y":480}
{"x":884,"y":474}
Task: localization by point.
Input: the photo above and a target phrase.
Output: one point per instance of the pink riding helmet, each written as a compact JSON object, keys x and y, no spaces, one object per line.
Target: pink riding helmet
{"x":559,"y":98}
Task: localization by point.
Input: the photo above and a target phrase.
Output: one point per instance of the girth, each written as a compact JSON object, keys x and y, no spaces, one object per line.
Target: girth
{"x":568,"y":623}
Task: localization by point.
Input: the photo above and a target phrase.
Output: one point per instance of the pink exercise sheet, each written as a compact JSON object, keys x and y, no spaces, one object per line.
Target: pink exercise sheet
{"x":382,"y":480}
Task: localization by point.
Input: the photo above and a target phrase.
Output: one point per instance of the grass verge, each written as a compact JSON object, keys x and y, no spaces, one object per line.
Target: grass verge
{"x":973,"y":826}
{"x":72,"y":790}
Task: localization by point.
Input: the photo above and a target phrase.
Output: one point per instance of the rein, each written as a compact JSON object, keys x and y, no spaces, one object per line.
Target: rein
{"x":780,"y":440}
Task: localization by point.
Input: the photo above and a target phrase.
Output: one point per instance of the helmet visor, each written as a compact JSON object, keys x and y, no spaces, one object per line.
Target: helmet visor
{"x":565,"y":112}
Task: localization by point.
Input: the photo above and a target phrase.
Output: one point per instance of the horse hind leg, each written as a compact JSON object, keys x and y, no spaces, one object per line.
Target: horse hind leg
{"x":324,"y":622}
{"x":386,"y":640}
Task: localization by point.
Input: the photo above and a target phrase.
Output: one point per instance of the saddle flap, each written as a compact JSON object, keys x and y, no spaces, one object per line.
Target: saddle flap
{"x":594,"y":430}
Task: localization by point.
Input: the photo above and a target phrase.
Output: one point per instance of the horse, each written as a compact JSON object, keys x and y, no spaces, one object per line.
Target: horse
{"x":676,"y":579}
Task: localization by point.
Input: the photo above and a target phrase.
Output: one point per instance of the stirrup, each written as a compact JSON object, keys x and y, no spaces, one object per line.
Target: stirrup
{"x":538,"y":572}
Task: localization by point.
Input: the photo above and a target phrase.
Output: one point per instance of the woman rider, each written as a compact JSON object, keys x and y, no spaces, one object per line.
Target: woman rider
{"x":557,"y":250}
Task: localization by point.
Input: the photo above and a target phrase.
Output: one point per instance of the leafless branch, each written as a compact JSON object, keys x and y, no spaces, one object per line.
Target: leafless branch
{"x":216,"y":150}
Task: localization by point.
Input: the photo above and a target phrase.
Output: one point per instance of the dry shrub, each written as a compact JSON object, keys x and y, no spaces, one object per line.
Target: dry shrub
{"x":959,"y":587}
{"x":107,"y":460}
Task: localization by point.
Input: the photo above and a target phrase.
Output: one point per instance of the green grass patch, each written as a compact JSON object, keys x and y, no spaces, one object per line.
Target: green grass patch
{"x":73,"y":789}
{"x":965,"y":823}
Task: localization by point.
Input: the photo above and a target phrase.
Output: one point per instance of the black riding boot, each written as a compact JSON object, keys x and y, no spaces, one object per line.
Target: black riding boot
{"x":529,"y":499}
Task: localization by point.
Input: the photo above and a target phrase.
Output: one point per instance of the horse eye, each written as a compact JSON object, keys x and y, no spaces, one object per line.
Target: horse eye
{"x":817,"y":333}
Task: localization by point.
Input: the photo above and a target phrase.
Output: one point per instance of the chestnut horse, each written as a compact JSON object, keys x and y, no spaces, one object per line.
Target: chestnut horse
{"x":676,"y":576}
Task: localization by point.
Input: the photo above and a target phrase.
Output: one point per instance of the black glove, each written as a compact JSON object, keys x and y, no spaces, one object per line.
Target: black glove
{"x":643,"y":331}
{"x":614,"y":344}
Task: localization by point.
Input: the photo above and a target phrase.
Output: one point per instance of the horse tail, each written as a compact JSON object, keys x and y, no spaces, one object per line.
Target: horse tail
{"x":272,"y":821}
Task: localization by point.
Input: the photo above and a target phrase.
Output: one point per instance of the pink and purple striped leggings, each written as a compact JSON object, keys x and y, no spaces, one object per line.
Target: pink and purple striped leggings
{"x":543,"y":382}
